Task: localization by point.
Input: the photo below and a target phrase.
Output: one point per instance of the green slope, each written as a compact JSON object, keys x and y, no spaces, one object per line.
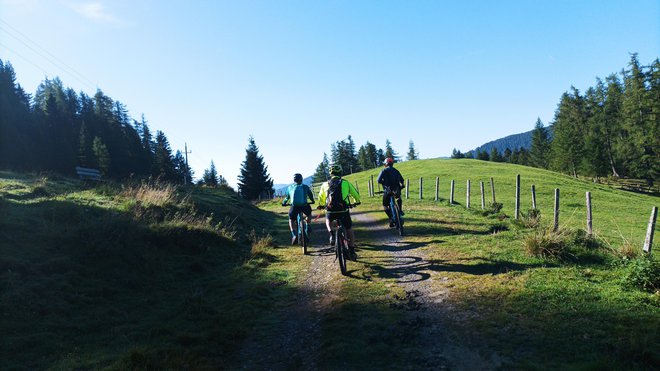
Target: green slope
{"x":618,"y":216}
{"x":127,"y":277}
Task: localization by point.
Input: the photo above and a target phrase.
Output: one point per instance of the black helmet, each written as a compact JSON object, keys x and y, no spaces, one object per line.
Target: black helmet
{"x":297,"y":178}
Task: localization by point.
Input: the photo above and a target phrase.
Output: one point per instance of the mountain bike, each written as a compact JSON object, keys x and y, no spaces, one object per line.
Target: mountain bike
{"x":302,"y":230}
{"x":397,"y":220}
{"x":342,"y":253}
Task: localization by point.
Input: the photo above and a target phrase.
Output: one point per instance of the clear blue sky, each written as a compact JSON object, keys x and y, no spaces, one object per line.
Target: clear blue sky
{"x":300,"y":75}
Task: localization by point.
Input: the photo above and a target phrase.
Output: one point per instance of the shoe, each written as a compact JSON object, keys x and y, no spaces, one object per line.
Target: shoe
{"x":294,"y":240}
{"x":391,"y":224}
{"x":402,"y":213}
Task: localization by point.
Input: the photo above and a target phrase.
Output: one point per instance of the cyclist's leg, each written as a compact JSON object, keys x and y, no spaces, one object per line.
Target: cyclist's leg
{"x":292,"y":221}
{"x":328,"y":225}
{"x":386,"y":204}
{"x":399,"y":201}
{"x":307,"y":210}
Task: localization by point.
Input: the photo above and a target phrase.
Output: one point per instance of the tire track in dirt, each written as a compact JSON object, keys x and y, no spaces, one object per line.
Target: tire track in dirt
{"x":296,"y":340}
{"x":427,"y":311}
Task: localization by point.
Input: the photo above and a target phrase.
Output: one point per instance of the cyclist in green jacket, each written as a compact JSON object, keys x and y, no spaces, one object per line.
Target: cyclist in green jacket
{"x":298,"y":194}
{"x":335,"y":196}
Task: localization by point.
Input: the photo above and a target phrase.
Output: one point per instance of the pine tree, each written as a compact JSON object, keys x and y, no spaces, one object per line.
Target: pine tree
{"x":321,"y":174}
{"x":412,"y":153}
{"x":254,"y":181}
{"x":456,"y":154}
{"x":163,"y":162}
{"x":183,"y":172}
{"x":568,"y":142}
{"x":540,"y":151}
{"x":368,"y":156}
{"x":210,"y":177}
{"x":495,"y":155}
{"x":389,"y":151}
{"x":483,"y":155}
{"x":102,"y":155}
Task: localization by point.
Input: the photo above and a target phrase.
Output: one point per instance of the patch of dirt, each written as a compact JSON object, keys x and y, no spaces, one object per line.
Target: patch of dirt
{"x":427,"y":311}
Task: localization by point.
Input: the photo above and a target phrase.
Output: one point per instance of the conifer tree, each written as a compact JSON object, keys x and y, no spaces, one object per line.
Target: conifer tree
{"x":102,"y":156}
{"x":456,"y":154}
{"x":321,"y":174}
{"x":389,"y":151}
{"x":568,"y":142}
{"x":540,"y":151}
{"x":163,"y":162}
{"x":210,"y":177}
{"x":412,"y":153}
{"x":254,"y":180}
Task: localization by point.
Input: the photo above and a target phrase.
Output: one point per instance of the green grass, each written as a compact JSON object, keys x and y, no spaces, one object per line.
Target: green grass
{"x":101,"y":278}
{"x":94,"y":277}
{"x":576,"y":312}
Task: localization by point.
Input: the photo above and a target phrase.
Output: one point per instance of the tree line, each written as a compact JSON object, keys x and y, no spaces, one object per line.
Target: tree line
{"x":368,"y":156}
{"x":612,"y":129}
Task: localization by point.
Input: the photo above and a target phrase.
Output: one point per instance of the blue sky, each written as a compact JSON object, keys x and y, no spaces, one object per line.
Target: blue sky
{"x":300,"y":75}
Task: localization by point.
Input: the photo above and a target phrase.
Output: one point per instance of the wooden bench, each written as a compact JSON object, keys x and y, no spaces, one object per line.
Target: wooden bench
{"x":88,"y":174}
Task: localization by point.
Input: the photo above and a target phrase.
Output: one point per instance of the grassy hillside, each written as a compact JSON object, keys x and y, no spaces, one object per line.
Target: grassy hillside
{"x":153,"y":277}
{"x":141,"y":276}
{"x":619,"y":217}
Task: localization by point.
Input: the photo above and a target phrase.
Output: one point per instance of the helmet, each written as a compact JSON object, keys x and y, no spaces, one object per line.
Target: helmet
{"x":335,"y":169}
{"x":389,"y":161}
{"x":297,"y":178}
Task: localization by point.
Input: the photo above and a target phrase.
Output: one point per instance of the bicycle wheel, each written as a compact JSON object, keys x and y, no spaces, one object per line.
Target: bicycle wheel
{"x":302,"y":235}
{"x":340,"y":249}
{"x":399,"y":221}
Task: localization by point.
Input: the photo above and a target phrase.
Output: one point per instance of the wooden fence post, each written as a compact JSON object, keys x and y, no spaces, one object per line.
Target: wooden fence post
{"x":590,"y":230}
{"x":373,"y":192}
{"x":517,"y":197}
{"x":451,"y":193}
{"x":533,"y":197}
{"x":556,"y":219}
{"x":467,"y":195}
{"x":483,"y":197}
{"x":648,"y":242}
{"x":421,"y":183}
{"x":407,"y":188}
{"x":437,"y":187}
{"x":492,"y":188}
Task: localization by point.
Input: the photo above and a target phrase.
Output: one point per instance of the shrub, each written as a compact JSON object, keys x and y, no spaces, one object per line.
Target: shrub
{"x":547,"y":243}
{"x":642,"y":273}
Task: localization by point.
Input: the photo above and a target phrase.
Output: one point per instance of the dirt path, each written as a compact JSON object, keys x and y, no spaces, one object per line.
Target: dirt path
{"x":425,"y":302}
{"x":296,"y":341}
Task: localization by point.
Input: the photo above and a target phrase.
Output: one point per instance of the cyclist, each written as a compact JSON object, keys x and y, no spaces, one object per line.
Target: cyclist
{"x":335,"y":196}
{"x":392,"y":182}
{"x":298,"y":194}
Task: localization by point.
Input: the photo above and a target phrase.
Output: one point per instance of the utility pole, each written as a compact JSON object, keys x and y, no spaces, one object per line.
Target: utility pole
{"x":185,"y":176}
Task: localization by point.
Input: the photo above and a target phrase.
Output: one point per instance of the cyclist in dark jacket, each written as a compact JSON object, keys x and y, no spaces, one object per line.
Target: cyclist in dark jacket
{"x":392,"y":182}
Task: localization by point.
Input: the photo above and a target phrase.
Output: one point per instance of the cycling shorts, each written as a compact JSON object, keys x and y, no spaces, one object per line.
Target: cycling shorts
{"x":293,"y":211}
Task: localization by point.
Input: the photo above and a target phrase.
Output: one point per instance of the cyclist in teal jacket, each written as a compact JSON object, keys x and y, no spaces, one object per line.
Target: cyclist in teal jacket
{"x":297,"y":196}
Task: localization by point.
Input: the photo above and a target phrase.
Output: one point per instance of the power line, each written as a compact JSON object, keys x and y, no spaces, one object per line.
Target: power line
{"x":49,"y":57}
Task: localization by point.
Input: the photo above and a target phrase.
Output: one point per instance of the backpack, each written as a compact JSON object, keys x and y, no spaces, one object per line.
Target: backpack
{"x":334,"y":200}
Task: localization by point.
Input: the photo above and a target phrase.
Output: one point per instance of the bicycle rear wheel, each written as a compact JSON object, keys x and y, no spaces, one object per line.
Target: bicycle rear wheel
{"x":399,"y":221}
{"x":302,"y":233}
{"x":340,"y":249}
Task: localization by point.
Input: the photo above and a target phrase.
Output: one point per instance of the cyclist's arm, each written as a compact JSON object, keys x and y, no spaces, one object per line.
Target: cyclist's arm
{"x":381,"y":177}
{"x":322,"y":192}
{"x":287,"y":197}
{"x":352,"y":192}
{"x":310,"y":194}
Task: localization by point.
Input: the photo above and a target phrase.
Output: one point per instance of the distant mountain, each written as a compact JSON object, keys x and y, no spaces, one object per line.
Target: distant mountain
{"x":279,"y":188}
{"x":512,"y":142}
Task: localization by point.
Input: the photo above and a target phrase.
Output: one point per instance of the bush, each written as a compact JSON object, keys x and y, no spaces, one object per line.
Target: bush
{"x":642,"y":273}
{"x":547,"y":243}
